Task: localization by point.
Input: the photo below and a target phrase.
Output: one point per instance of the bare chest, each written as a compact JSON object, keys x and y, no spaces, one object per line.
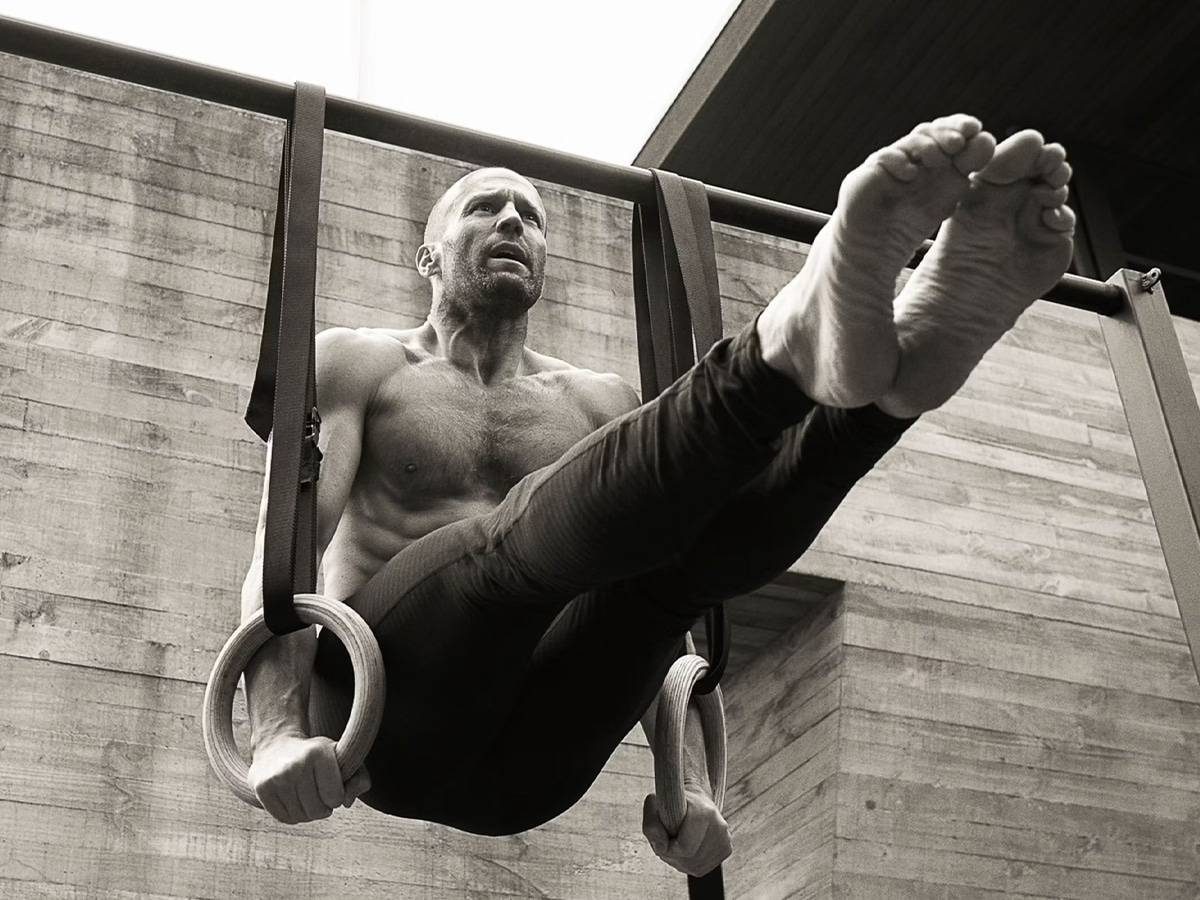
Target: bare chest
{"x":435,"y":435}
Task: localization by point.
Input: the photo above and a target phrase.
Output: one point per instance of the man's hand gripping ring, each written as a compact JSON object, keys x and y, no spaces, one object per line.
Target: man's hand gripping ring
{"x":366,"y":712}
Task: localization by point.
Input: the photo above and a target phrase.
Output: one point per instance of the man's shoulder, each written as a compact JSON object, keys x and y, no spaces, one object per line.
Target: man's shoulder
{"x":361,"y":357}
{"x":603,"y":394}
{"x":368,"y":344}
{"x":340,"y":338}
{"x":559,"y":369}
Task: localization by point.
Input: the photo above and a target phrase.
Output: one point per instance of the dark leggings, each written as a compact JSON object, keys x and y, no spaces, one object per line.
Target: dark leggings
{"x":521,"y":646}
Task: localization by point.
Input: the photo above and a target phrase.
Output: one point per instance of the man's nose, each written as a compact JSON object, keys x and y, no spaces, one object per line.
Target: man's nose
{"x":509,"y":219}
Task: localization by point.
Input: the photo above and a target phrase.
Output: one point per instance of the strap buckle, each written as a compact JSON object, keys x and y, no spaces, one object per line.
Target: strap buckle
{"x":310,"y":453}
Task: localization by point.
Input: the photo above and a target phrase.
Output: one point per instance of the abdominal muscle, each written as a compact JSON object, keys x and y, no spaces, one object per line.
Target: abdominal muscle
{"x":361,"y":546}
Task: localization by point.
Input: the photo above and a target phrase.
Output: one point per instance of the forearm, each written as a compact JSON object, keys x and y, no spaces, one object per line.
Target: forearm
{"x":278,"y":678}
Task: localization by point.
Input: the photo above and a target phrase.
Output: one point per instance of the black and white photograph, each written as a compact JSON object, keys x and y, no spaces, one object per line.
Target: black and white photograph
{"x":654,"y":449}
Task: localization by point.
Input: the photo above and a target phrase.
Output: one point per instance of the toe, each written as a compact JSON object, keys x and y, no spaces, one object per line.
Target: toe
{"x":923,"y":150}
{"x":947,"y":133}
{"x":1052,"y":157}
{"x":1045,"y":195}
{"x":977,"y":153}
{"x":1058,"y":176}
{"x":961,"y":139}
{"x":896,"y":161}
{"x":1059,"y":218}
{"x":1016,"y":157}
{"x":950,"y":141}
{"x":959,"y":123}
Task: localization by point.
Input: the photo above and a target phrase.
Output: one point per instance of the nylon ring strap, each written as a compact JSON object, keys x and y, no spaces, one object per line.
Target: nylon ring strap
{"x":283,"y":401}
{"x":677,"y":297}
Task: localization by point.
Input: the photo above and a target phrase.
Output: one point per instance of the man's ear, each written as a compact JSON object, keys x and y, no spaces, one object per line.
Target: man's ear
{"x":429,"y":260}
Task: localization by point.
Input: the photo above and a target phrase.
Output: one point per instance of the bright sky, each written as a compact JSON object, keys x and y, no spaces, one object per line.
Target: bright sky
{"x":587,"y":78}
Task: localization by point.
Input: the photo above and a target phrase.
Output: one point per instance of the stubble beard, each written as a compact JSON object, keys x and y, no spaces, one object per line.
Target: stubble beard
{"x":496,"y":295}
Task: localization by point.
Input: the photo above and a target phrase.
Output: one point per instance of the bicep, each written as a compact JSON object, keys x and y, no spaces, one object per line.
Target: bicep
{"x":343,"y":393}
{"x":341,"y":451}
{"x":341,"y":446}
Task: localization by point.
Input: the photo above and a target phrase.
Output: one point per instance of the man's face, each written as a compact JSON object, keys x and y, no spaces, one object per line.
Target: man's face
{"x":492,"y":253}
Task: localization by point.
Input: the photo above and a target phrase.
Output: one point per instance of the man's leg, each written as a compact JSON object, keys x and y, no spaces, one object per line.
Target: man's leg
{"x":773,"y":521}
{"x":592,"y":675}
{"x":1007,"y":242}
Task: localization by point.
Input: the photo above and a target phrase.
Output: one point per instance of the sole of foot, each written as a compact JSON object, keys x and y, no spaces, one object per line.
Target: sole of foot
{"x":1007,"y":243}
{"x":831,"y":330}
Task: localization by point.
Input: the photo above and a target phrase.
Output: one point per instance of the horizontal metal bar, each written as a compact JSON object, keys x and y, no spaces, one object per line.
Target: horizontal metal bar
{"x":386,"y":126}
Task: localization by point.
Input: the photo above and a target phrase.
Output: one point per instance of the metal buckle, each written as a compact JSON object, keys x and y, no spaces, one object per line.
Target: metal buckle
{"x":310,"y":453}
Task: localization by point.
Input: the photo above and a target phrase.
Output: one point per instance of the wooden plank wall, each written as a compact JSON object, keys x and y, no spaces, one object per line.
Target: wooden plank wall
{"x":1015,"y":709}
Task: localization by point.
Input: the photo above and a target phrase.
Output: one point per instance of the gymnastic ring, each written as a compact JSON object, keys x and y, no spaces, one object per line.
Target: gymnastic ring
{"x":671,"y":719}
{"x":366,"y":711}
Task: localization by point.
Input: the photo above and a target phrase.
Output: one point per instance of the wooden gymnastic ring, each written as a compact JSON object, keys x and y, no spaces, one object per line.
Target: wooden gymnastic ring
{"x":671,"y":719}
{"x":366,"y":711}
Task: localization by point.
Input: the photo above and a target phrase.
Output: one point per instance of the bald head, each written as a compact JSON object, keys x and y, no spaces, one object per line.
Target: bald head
{"x":439,"y":216}
{"x":485,"y":245}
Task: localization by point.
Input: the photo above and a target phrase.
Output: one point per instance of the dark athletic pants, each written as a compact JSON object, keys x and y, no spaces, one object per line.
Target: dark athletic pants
{"x":522,"y":645}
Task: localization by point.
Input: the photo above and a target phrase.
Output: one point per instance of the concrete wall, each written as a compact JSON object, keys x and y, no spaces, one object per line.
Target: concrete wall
{"x":999,"y":701}
{"x":134,"y":239}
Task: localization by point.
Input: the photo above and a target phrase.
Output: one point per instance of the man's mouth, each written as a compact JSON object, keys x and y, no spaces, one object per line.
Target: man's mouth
{"x":510,"y":252}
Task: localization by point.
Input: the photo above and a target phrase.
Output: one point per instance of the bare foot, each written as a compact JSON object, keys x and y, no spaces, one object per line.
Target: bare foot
{"x":831,"y":329}
{"x":1009,"y":242}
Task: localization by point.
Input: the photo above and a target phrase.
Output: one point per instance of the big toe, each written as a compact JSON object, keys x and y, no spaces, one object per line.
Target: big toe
{"x":1021,"y":155}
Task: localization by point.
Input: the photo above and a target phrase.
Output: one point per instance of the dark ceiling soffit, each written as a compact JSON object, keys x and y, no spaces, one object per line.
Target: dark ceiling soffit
{"x":734,"y":37}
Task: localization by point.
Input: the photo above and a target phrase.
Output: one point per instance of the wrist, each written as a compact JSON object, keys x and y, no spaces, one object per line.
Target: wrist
{"x":264,"y":738}
{"x":694,"y":785}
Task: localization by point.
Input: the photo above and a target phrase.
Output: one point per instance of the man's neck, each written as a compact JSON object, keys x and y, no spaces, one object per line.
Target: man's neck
{"x":491,"y":348}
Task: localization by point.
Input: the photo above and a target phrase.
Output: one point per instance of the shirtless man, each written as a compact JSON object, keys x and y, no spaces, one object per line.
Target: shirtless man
{"x":530,"y":545}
